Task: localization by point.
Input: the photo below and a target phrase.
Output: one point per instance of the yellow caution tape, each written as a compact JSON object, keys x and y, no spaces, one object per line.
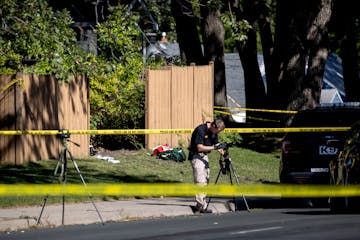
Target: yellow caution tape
{"x":172,"y":131}
{"x":163,"y":189}
{"x":286,"y":130}
{"x":97,"y":132}
{"x":257,"y":110}
{"x":263,"y":119}
{"x":249,"y":117}
{"x":222,"y":112}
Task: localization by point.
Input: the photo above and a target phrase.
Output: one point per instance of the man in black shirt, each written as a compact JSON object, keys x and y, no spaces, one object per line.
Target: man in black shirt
{"x":204,"y":139}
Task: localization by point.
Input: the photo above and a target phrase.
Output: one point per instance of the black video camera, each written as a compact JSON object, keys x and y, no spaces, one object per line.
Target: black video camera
{"x":223,"y":145}
{"x":224,"y":162}
{"x":63,"y":135}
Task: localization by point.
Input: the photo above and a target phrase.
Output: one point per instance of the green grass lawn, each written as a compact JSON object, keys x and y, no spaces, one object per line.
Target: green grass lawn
{"x":135,"y":167}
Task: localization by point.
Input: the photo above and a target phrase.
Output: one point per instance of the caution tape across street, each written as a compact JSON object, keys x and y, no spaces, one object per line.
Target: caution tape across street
{"x":171,"y":131}
{"x":171,"y":189}
{"x":286,"y":130}
{"x":97,"y":132}
{"x":256,"y":110}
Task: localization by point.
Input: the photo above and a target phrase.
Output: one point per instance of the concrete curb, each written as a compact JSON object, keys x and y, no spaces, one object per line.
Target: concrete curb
{"x":13,"y":219}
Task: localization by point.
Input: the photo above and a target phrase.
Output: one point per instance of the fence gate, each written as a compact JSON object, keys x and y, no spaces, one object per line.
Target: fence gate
{"x":177,"y":98}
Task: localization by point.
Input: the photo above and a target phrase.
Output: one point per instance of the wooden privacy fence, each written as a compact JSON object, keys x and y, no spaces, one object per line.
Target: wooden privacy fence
{"x":39,"y":102}
{"x":177,"y":98}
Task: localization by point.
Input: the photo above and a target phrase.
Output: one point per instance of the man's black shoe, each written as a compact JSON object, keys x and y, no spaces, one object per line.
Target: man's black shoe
{"x":197,"y":210}
{"x":206,"y":211}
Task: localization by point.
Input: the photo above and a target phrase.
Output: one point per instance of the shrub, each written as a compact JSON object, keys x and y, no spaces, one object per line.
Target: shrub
{"x":117,"y":89}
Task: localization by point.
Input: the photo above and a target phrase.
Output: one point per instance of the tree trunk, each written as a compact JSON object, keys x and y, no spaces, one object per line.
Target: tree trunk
{"x":319,"y":51}
{"x":301,"y":34}
{"x":213,"y":33}
{"x":187,"y":34}
{"x":346,"y":32}
{"x":254,"y":86}
{"x":263,"y":19}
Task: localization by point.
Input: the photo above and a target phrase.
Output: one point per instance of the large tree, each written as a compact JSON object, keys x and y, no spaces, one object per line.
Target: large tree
{"x":294,"y":56}
{"x":187,"y":34}
{"x":347,"y":25}
{"x":300,"y":41}
{"x":212,"y":33}
{"x":254,"y":87}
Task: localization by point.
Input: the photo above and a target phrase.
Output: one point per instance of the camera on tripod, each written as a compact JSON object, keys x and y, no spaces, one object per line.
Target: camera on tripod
{"x":226,"y":168}
{"x":225,"y":159}
{"x":63,"y":135}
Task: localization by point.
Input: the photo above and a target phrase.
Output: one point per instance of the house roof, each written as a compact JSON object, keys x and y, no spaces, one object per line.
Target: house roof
{"x":330,"y":96}
{"x":166,"y":50}
{"x":235,"y":87}
{"x":332,"y":79}
{"x":333,"y":75}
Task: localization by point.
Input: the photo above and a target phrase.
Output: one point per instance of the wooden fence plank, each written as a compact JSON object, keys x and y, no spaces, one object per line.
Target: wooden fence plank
{"x":182,"y":92}
{"x":43,"y":105}
{"x":157,"y":104}
{"x":177,"y":98}
{"x":203,"y":100}
{"x":7,"y":119}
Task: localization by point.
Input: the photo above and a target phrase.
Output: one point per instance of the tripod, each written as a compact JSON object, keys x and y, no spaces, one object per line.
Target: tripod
{"x":227,"y":168}
{"x":64,"y":155}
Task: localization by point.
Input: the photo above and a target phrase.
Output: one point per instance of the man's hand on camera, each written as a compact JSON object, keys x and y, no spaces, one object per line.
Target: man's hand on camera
{"x":220,"y":146}
{"x":222,"y":152}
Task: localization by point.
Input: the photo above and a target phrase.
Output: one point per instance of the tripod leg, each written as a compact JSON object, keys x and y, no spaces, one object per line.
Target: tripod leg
{"x":83,"y":181}
{"x":63,"y":210}
{"x":47,"y":196}
{"x":238,"y":182}
{"x":217,"y":178}
{"x":63,"y":180}
{"x":231,"y":181}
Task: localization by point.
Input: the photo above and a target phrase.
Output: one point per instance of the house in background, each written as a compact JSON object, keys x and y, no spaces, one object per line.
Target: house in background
{"x":330,"y":96}
{"x":235,"y":86}
{"x":333,"y":79}
{"x":333,"y":90}
{"x":162,"y":48}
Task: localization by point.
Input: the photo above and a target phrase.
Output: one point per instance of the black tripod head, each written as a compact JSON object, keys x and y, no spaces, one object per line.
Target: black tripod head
{"x":63,"y":134}
{"x":225,"y":161}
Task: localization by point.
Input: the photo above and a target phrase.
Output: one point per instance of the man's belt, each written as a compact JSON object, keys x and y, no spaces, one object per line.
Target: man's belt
{"x":206,"y":163}
{"x":200,"y":153}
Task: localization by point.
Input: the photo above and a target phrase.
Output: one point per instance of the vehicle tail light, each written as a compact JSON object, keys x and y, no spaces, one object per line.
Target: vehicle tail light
{"x":286,"y":146}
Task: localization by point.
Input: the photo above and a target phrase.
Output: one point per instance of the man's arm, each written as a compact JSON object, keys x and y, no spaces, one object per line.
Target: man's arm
{"x":203,"y":148}
{"x":219,"y":147}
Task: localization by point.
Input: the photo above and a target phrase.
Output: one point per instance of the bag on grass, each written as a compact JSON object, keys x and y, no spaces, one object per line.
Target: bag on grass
{"x":179,"y":154}
{"x":161,"y":148}
{"x":176,"y":154}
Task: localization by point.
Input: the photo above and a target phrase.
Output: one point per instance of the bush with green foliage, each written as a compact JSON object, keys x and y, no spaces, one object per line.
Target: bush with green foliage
{"x":36,"y":39}
{"x":234,"y":139}
{"x":117,"y":87}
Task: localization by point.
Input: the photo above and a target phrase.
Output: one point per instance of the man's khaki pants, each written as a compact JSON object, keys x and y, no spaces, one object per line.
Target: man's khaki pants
{"x":201,"y":172}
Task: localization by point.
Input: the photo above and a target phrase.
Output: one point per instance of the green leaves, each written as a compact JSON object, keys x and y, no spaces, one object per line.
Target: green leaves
{"x":238,"y":29}
{"x":117,"y":89}
{"x":37,"y":40}
{"x":118,"y":36}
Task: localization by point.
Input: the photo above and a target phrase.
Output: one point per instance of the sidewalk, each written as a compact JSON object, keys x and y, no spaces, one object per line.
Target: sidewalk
{"x":12,"y":219}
